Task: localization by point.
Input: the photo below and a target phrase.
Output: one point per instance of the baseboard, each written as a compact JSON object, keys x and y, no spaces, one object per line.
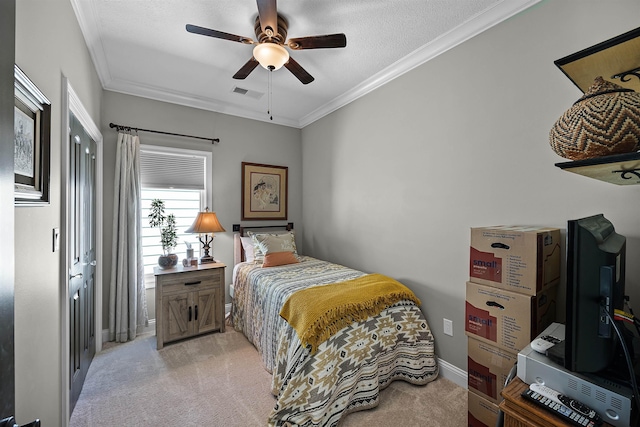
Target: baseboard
{"x":453,"y":373}
{"x":149,"y":328}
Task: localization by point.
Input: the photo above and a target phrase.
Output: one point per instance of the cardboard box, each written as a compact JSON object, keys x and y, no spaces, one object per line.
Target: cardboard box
{"x":515,"y":258}
{"x":488,"y":368}
{"x":481,"y":412}
{"x":509,"y":320}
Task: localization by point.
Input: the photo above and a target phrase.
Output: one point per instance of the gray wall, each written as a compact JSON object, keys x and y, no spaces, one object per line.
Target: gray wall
{"x":394,"y":181}
{"x":241,"y":140}
{"x":48,"y":45}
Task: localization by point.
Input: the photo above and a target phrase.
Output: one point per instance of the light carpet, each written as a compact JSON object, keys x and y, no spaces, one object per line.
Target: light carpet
{"x":219,"y":380}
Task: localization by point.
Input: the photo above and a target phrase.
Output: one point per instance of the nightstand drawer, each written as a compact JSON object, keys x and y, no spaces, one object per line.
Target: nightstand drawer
{"x":193,"y":281}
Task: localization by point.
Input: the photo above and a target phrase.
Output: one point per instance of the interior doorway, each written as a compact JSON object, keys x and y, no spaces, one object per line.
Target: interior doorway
{"x":81,"y":257}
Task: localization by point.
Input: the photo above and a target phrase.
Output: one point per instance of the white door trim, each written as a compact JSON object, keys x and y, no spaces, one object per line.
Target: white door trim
{"x":71,"y":103}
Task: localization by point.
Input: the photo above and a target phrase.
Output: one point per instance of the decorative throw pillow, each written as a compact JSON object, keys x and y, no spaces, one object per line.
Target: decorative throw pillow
{"x":258,"y":255}
{"x":267,"y":243}
{"x":257,"y":252}
{"x":247,"y":246}
{"x":274,"y":259}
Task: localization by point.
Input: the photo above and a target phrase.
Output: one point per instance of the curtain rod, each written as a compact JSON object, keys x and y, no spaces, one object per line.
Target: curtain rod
{"x":129,"y":128}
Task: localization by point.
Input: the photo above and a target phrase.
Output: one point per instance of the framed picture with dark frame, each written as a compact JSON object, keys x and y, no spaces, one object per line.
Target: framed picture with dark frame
{"x":264,"y":192}
{"x":32,"y":142}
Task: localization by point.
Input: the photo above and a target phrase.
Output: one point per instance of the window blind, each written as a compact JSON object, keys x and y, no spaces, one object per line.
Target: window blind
{"x":185,"y":205}
{"x":171,"y":170}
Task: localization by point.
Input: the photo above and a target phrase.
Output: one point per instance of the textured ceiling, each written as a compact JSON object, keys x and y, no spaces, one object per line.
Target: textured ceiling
{"x":141,"y":47}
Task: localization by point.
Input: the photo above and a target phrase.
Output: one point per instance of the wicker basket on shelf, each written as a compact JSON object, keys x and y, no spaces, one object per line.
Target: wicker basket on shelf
{"x":605,"y":121}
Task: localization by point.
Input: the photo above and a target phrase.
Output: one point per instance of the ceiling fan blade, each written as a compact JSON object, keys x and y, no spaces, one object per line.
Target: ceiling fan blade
{"x":217,"y":34}
{"x":318,"y":42}
{"x":246,"y":69}
{"x":268,"y":13}
{"x":298,"y":71}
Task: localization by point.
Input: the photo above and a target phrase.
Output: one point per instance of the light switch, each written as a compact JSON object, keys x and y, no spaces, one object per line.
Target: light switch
{"x":56,"y":239}
{"x":448,"y":327}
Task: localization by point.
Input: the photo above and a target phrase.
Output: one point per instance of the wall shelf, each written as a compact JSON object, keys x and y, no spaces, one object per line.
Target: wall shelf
{"x":616,"y":60}
{"x":620,"y":169}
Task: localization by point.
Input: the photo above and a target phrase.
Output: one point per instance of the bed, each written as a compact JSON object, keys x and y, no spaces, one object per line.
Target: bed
{"x":318,"y":384}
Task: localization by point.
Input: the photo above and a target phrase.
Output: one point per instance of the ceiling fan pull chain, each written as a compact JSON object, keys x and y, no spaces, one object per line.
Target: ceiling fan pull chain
{"x":271,"y":68}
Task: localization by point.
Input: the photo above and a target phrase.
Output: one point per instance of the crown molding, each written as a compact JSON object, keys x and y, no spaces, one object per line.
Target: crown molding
{"x":187,"y":100}
{"x":87,"y":19}
{"x":474,"y":26}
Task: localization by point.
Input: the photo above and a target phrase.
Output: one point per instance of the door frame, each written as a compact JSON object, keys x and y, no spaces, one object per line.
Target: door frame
{"x":71,"y":103}
{"x":7,"y":209}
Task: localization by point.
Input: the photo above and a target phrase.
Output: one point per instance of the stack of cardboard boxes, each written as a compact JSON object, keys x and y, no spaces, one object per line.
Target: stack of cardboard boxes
{"x":514,"y":274}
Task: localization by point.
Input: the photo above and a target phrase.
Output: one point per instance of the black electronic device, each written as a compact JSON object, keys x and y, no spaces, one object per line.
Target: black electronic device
{"x":613,"y":400}
{"x":578,"y":415}
{"x":595,"y":287}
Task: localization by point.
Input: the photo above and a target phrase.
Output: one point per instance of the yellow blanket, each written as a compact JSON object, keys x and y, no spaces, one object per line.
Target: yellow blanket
{"x":318,"y":312}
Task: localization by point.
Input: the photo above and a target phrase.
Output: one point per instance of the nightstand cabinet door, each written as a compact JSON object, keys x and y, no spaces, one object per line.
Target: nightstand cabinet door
{"x":206,"y":310}
{"x":175,"y":311}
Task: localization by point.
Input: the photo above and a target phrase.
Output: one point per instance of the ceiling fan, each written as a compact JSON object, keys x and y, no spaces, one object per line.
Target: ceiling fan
{"x":271,"y":32}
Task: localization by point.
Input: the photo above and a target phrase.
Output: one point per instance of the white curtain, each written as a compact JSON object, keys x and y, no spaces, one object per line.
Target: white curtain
{"x":127,"y":300}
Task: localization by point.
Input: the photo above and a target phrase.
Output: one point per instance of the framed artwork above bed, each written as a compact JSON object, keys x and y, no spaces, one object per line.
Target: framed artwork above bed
{"x":264,"y":192}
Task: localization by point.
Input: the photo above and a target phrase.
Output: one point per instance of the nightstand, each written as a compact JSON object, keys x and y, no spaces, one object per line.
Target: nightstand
{"x":189,"y":301}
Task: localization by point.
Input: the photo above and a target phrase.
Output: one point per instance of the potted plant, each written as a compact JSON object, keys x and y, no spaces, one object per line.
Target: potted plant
{"x":167,"y":226}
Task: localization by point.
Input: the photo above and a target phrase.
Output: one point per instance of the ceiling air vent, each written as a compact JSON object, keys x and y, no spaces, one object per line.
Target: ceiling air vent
{"x":246,"y":92}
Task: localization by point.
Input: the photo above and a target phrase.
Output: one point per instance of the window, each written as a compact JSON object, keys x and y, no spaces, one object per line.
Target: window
{"x":181,"y":178}
{"x":185,"y":205}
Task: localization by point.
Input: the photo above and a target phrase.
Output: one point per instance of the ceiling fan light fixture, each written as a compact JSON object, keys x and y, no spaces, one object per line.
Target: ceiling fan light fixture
{"x":271,"y":55}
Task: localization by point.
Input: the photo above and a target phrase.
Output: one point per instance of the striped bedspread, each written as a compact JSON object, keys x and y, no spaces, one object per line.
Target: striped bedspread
{"x":348,"y":371}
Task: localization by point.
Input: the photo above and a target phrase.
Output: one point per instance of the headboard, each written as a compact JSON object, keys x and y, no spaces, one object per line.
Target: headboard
{"x":239,"y":230}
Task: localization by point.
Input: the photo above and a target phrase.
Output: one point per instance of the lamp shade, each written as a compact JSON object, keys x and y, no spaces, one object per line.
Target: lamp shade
{"x":205,"y":222}
{"x":271,"y":55}
{"x":605,"y":121}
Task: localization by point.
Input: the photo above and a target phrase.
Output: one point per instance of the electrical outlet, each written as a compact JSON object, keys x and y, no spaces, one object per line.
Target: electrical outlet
{"x":448,"y":327}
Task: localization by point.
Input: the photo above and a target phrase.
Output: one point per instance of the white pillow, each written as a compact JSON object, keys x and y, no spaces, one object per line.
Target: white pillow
{"x":249,"y":251}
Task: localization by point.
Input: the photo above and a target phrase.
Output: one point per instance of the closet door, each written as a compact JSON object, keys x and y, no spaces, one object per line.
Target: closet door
{"x":82,"y":253}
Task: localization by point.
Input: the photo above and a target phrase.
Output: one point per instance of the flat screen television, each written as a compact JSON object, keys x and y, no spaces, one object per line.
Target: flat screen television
{"x":595,"y":283}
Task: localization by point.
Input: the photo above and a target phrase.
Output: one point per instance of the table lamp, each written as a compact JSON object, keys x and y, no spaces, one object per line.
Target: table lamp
{"x":206,"y":222}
